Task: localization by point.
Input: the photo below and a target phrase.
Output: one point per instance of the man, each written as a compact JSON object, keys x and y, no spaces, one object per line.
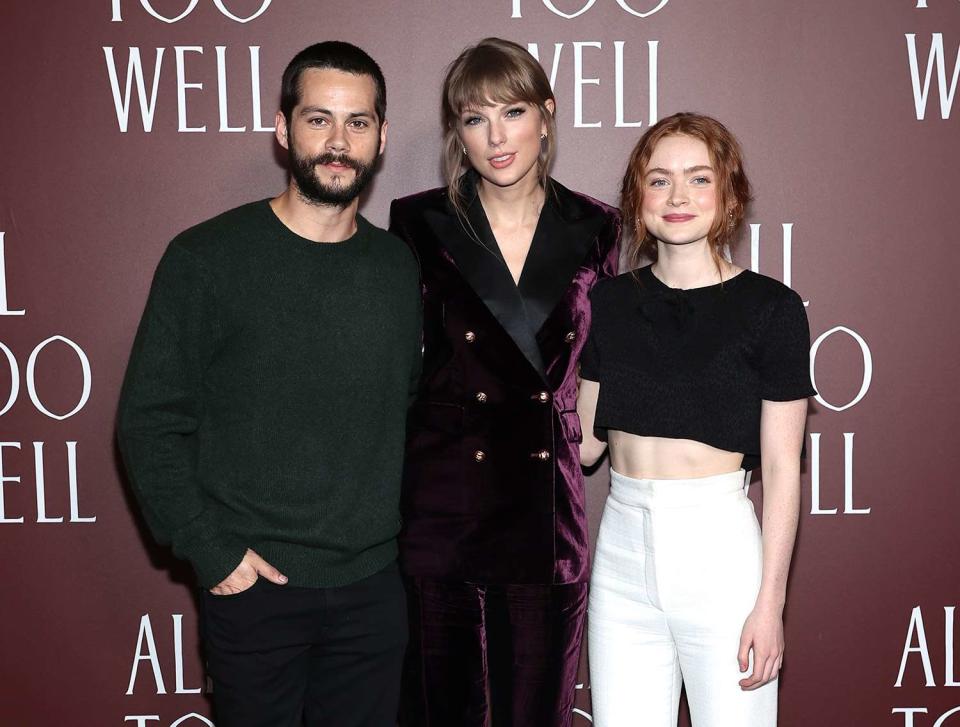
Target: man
{"x":262,"y":417}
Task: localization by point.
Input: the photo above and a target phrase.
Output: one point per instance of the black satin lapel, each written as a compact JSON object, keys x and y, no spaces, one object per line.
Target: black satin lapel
{"x":485,"y":271}
{"x":558,"y":249}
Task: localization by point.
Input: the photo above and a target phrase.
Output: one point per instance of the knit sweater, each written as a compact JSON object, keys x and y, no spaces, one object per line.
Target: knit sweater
{"x":265,"y":400}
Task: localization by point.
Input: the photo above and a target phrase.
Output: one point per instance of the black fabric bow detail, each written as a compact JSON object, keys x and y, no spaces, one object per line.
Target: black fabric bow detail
{"x":671,"y":306}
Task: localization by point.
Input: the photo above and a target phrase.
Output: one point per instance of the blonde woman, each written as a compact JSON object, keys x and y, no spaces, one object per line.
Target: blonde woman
{"x":494,"y":540}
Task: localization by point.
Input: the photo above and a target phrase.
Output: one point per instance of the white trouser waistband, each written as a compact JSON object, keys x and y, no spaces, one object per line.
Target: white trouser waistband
{"x":689,"y":492}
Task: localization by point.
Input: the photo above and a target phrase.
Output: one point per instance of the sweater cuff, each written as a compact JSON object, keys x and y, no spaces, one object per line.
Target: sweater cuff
{"x":212,"y":563}
{"x":213,"y":554}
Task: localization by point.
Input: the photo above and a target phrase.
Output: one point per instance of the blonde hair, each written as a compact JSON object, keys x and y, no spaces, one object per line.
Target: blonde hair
{"x":492,"y":71}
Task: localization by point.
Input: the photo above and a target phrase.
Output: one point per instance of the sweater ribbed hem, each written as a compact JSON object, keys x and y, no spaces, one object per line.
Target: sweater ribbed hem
{"x":311,"y":568}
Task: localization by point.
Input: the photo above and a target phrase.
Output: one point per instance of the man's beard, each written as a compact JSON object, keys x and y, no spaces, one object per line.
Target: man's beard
{"x":314,"y":191}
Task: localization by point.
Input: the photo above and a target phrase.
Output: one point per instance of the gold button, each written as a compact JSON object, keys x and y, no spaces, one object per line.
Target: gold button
{"x":479,"y":455}
{"x":469,"y":336}
{"x":543,"y":455}
{"x":570,"y":337}
{"x":481,"y":397}
{"x":543,"y":397}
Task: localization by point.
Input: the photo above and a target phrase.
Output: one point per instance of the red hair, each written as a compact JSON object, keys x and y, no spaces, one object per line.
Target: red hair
{"x":733,"y":188}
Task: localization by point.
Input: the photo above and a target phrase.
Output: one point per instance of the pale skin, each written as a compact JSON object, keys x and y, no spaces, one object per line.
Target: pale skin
{"x":502,"y":143}
{"x":681,"y":183}
{"x":336,"y":113}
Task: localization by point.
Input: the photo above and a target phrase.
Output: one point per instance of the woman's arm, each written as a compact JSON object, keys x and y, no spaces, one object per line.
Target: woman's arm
{"x":781,"y":439}
{"x":591,"y":448}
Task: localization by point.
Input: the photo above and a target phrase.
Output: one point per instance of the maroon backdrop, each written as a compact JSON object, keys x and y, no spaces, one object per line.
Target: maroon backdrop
{"x":846,"y":111}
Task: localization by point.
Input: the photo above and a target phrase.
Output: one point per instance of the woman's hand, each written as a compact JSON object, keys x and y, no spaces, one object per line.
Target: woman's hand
{"x":763,"y":634}
{"x":781,"y":439}
{"x":591,"y":448}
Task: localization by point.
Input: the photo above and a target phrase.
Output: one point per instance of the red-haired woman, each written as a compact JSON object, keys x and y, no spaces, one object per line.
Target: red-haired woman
{"x":494,"y":539}
{"x":695,"y":371}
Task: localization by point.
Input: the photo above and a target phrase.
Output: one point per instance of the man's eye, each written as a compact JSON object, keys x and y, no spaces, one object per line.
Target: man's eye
{"x":317,"y":122}
{"x":359,"y":124}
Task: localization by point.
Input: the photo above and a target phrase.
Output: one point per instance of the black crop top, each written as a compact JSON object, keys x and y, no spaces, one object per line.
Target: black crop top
{"x":695,"y":364}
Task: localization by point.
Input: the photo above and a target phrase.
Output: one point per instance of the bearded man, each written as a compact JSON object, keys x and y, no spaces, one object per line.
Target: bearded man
{"x":262,"y":417}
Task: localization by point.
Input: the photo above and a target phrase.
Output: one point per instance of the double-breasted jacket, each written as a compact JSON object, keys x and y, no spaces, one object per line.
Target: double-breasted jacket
{"x":493,"y":490}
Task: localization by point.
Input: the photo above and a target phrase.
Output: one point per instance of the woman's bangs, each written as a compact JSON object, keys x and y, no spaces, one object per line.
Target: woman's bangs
{"x":486,"y":84}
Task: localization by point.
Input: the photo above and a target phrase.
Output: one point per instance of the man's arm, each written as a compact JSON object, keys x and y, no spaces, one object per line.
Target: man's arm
{"x":161,"y":409}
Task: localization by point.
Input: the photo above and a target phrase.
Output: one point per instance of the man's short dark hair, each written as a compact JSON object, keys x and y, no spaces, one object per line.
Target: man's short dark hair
{"x":338,"y":56}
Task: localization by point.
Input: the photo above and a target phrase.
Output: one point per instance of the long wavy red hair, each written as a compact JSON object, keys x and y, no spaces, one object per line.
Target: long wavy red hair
{"x":733,"y":187}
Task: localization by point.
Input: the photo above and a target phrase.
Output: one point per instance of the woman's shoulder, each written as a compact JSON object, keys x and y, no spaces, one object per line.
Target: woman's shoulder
{"x":772,"y":306}
{"x":763,"y":289}
{"x":577,"y":204}
{"x":619,"y":288}
{"x":412,"y":204}
{"x":409,"y":215}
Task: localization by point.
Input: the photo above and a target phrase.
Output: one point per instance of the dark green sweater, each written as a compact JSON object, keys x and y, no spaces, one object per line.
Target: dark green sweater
{"x":266,"y":395}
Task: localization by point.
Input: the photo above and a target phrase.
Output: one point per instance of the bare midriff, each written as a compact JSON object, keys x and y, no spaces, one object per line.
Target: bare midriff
{"x":668,"y":459}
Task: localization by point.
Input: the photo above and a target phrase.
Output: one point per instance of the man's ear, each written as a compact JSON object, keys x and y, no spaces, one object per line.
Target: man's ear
{"x":281,"y":123}
{"x":383,"y":136}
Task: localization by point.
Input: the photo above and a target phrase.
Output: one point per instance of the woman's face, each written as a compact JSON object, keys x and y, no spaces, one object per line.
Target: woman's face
{"x":679,"y":191}
{"x":503,"y":141}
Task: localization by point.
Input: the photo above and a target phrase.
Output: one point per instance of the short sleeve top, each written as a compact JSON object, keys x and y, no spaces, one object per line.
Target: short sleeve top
{"x":696,"y":364}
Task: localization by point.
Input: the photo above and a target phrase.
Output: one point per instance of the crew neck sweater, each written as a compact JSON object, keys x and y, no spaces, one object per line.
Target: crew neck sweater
{"x":695,"y":363}
{"x":265,"y":400}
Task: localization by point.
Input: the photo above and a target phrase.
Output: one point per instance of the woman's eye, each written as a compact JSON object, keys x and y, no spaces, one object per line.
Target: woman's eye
{"x":658,"y":182}
{"x":471,"y":121}
{"x":701,"y":180}
{"x":515,"y":112}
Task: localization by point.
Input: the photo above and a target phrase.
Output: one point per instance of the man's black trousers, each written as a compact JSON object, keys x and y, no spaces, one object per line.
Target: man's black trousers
{"x":282,"y":656}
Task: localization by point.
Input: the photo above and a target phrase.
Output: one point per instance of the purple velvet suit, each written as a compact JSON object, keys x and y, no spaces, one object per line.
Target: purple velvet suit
{"x":493,"y":500}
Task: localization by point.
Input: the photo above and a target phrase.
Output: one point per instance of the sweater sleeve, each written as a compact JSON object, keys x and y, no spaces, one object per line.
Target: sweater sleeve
{"x":161,"y":408}
{"x":417,"y":369}
{"x":399,"y":229}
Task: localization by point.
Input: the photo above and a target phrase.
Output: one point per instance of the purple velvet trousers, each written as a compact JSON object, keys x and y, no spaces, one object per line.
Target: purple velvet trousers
{"x":499,"y":655}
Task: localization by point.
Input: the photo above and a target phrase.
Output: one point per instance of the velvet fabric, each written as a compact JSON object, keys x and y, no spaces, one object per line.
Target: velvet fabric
{"x":491,"y":655}
{"x":492,"y":489}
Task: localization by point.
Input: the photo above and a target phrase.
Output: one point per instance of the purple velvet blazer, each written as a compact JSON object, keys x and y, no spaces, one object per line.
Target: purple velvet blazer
{"x":493,"y":490}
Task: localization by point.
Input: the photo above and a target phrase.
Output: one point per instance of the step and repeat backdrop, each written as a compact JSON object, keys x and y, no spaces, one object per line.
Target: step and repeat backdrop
{"x":126,"y":121}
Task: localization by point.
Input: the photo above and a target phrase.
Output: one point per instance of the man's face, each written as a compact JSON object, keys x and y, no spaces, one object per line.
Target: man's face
{"x":334,"y":137}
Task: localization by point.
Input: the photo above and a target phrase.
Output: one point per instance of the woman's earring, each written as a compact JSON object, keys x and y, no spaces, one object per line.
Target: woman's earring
{"x":543,"y":137}
{"x":464,"y":150}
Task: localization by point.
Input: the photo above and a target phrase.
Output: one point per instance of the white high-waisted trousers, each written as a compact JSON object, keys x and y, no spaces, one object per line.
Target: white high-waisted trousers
{"x":676,"y":572}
